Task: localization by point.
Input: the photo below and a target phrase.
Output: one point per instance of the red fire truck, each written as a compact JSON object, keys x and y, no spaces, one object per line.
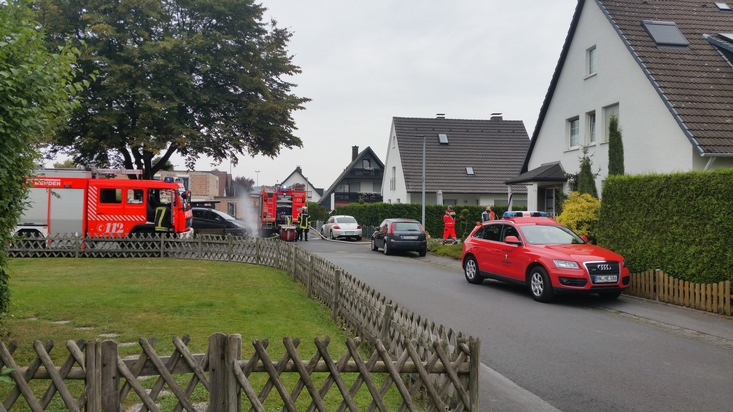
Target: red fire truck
{"x":80,"y":202}
{"x":279,"y":206}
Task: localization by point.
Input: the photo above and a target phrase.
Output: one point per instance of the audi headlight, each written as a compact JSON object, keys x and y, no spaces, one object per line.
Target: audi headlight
{"x":566,"y":264}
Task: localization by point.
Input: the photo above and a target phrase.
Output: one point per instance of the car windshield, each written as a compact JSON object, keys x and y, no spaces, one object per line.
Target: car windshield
{"x":346,"y":219}
{"x":550,"y":235}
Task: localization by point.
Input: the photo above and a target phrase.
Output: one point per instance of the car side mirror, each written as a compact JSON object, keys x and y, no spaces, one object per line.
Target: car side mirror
{"x":512,"y":240}
{"x":585,"y":238}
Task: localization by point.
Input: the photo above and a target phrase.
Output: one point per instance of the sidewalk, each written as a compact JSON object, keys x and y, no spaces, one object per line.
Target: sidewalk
{"x":679,"y":318}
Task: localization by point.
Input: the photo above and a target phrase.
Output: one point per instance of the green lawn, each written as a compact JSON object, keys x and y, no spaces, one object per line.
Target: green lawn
{"x":64,"y":299}
{"x":128,"y":299}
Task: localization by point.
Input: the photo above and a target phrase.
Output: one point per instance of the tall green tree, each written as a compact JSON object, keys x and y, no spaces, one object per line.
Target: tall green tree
{"x":586,"y":179}
{"x":66,"y":164}
{"x":615,"y":148}
{"x":243,"y":185}
{"x":197,"y":78}
{"x":36,"y":93}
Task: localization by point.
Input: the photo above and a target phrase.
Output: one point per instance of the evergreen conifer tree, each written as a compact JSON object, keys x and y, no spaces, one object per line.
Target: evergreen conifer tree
{"x":586,"y":180}
{"x":615,"y":148}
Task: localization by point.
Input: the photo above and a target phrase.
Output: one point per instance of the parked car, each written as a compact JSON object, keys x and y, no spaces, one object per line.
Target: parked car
{"x":341,"y":226}
{"x":546,"y":256}
{"x":213,"y":222}
{"x":400,"y":234}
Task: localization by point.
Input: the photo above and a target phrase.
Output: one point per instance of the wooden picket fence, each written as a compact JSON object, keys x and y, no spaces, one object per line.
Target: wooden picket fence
{"x":420,"y":358}
{"x":220,"y":380}
{"x":657,"y":285}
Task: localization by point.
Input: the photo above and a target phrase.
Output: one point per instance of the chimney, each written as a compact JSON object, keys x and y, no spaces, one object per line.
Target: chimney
{"x":440,"y":116}
{"x":496,"y":117}
{"x":354,"y":152}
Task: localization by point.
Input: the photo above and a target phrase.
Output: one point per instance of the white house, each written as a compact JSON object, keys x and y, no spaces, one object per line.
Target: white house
{"x":662,"y":67}
{"x":465,"y":162}
{"x":312,"y":193}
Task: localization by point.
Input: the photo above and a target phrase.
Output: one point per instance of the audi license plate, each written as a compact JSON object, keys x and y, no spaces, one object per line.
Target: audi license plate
{"x":606,"y":279}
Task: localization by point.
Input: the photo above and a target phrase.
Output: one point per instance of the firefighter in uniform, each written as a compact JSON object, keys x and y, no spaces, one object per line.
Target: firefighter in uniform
{"x":303,"y":223}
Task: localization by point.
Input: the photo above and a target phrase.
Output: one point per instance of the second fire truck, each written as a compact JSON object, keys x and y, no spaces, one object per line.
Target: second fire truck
{"x":280,"y":206}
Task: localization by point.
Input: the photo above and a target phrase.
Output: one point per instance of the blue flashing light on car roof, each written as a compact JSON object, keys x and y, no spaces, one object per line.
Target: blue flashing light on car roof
{"x":523,"y":213}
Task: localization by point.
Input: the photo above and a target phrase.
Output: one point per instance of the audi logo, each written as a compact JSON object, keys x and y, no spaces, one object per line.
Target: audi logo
{"x":604,"y":266}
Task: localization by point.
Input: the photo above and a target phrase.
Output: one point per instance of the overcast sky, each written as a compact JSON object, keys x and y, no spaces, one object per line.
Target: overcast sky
{"x":364,"y":62}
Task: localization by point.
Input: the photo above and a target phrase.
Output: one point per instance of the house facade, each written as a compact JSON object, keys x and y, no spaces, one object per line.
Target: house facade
{"x":456,"y":161}
{"x":662,"y":68}
{"x":313,"y":194}
{"x":361,"y":180}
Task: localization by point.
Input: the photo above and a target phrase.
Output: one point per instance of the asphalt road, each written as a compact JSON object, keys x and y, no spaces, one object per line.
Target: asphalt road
{"x":579,"y":353}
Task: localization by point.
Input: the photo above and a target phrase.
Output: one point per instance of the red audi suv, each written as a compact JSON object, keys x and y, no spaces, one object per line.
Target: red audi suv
{"x":544,"y":255}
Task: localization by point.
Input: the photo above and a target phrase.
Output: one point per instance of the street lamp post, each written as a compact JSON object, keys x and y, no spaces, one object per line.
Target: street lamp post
{"x":257,"y":183}
{"x":423,"y":181}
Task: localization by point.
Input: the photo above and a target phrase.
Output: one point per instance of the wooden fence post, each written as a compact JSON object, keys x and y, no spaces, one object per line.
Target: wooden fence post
{"x":93,"y":381}
{"x":657,"y":283}
{"x":293,"y":256}
{"x":232,"y":355}
{"x":110,"y":379}
{"x":386,"y":323}
{"x":310,"y":275}
{"x":162,"y":245}
{"x":473,"y":378}
{"x":200,"y":248}
{"x":257,"y":251}
{"x":217,"y":373}
{"x":336,"y":294}
{"x":727,"y":297}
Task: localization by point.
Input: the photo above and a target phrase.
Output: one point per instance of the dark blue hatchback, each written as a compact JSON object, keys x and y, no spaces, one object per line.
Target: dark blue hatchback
{"x":400,"y":234}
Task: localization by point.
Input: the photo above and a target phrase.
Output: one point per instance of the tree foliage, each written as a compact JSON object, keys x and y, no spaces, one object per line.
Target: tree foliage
{"x":242,"y":185}
{"x":197,"y":78}
{"x":36,"y":92}
{"x":66,"y":164}
{"x":586,"y":179}
{"x":615,"y":148}
{"x":581,"y":212}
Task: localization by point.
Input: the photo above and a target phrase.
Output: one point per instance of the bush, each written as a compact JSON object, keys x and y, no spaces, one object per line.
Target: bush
{"x":680,"y":223}
{"x":372,"y":214}
{"x":581,"y":212}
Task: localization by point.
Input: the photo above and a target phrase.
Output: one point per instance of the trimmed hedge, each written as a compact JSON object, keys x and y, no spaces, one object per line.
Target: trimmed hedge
{"x":680,"y":223}
{"x":372,"y":214}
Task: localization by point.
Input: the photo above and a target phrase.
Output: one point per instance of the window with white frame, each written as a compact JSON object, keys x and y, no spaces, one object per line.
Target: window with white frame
{"x":608,"y":112}
{"x":590,"y":120}
{"x":573,"y":132}
{"x":590,"y":61}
